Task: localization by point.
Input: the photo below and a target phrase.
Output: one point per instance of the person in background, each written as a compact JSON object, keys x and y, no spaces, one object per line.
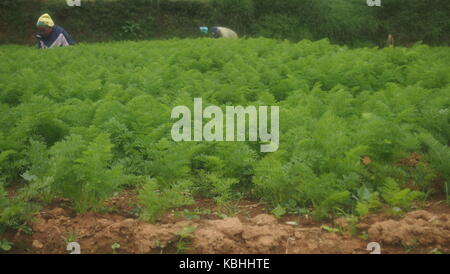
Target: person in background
{"x":50,"y":35}
{"x":390,"y":40}
{"x":220,"y":32}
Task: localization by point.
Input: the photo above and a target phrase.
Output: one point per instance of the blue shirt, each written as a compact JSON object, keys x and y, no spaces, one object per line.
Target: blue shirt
{"x":57,"y":38}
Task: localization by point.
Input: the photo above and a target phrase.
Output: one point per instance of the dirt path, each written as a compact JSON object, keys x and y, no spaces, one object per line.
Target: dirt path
{"x":200,"y":230}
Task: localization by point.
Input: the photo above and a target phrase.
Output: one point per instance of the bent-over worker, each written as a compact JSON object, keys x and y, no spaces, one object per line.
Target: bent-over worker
{"x":50,"y":35}
{"x":220,"y":32}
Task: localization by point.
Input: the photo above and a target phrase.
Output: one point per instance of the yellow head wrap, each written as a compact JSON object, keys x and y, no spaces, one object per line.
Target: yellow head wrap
{"x":45,"y":20}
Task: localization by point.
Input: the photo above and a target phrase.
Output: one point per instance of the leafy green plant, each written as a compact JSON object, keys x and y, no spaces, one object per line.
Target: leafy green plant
{"x":154,"y":201}
{"x":330,"y":229}
{"x":81,"y":172}
{"x":14,"y":212}
{"x":131,"y":30}
{"x":183,"y":236}
{"x":114,"y":247}
{"x":364,"y":236}
{"x":279,"y":211}
{"x":70,"y":237}
{"x":5,"y":245}
{"x":397,"y":197}
{"x":436,"y":251}
{"x":367,"y":202}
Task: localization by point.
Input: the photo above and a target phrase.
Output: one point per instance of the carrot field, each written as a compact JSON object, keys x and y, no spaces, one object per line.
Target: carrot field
{"x":362,"y":131}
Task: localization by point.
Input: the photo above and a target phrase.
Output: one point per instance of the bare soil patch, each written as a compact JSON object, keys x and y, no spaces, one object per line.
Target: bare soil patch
{"x":199,"y":229}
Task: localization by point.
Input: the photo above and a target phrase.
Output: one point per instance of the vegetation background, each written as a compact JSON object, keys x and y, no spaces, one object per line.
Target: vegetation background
{"x":350,"y":22}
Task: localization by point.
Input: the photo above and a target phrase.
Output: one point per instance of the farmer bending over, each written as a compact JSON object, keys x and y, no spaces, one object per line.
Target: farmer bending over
{"x":220,"y":32}
{"x":50,"y":35}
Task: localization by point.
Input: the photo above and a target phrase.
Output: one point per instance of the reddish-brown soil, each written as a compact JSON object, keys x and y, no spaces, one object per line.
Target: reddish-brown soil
{"x":246,"y":229}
